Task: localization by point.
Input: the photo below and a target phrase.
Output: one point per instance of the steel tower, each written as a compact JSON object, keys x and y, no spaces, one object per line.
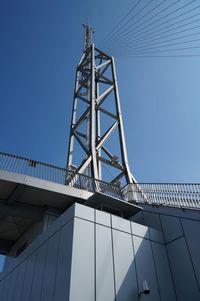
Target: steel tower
{"x":96,"y":122}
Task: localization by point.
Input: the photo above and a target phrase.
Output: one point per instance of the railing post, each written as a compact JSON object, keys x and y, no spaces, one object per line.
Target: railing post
{"x":176,"y":195}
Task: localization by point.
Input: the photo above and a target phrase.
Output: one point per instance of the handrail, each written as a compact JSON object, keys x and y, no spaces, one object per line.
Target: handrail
{"x":56,"y":174}
{"x":32,"y":168}
{"x":28,"y":159}
{"x":182,"y":195}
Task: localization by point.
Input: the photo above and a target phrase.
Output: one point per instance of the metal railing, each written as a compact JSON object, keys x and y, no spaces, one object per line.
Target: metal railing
{"x":109,"y":189}
{"x":56,"y":174}
{"x":173,"y":195}
{"x":32,"y":168}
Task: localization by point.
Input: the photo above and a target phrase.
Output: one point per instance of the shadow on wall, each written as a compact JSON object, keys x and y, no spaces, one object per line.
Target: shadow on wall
{"x":171,"y":269}
{"x":93,"y":261}
{"x":123,"y":260}
{"x":134,"y":261}
{"x":181,"y":234}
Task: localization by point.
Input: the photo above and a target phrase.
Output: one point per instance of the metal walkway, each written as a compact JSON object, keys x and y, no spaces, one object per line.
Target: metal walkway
{"x":165,"y":194}
{"x":32,"y":168}
{"x":173,"y":195}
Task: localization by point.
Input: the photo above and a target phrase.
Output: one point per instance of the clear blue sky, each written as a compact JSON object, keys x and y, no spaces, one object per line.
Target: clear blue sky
{"x":41,"y":42}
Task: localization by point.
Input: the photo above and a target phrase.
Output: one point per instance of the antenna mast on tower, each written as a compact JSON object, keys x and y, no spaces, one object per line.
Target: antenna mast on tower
{"x":96,"y":123}
{"x":88,"y":31}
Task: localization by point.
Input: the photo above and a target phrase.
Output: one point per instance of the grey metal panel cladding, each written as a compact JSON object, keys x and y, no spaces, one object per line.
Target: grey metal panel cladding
{"x":156,"y":235}
{"x":34,"y":276}
{"x":1,"y":289}
{"x":28,"y":277}
{"x":138,"y":218}
{"x":171,"y":227}
{"x":125,"y":274}
{"x":47,"y":277}
{"x":163,"y":272}
{"x":183,"y":274}
{"x":19,"y":282}
{"x":12,"y":285}
{"x":103,"y":218}
{"x":84,"y":212}
{"x":121,"y":224}
{"x":152,"y":220}
{"x":192,"y":231}
{"x":104,"y":265}
{"x":172,"y":211}
{"x":64,"y":263}
{"x":50,"y":268}
{"x":5,"y":288}
{"x":82,"y":268}
{"x":145,"y":266}
{"x":38,"y":273}
{"x":139,"y":230}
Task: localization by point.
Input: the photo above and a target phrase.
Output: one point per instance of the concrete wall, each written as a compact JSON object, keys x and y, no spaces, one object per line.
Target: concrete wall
{"x":180,"y":230}
{"x":90,"y":255}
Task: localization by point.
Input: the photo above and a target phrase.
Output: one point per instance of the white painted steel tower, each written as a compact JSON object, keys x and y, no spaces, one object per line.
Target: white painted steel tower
{"x":70,"y":236}
{"x":96,"y":118}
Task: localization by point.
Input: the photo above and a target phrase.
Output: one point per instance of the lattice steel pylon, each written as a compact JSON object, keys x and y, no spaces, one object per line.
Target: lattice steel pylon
{"x":96,"y":85}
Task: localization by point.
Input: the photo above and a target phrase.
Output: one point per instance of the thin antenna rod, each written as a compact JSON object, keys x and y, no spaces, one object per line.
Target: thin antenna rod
{"x":88,"y":31}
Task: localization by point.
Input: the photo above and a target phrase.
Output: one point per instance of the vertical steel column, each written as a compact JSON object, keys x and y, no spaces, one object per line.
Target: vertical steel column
{"x":96,"y":82}
{"x":120,"y":126}
{"x":98,"y":132}
{"x":94,"y":170}
{"x":73,"y":117}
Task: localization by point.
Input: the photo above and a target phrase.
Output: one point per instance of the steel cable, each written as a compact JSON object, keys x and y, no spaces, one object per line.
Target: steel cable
{"x":180,"y":26}
{"x":167,"y":45}
{"x":161,"y":51}
{"x":146,"y":33}
{"x":137,"y":13}
{"x":129,"y":33}
{"x":160,"y":56}
{"x":110,"y":41}
{"x":153,"y":39}
{"x":146,"y":42}
{"x":121,"y":21}
{"x":140,"y":18}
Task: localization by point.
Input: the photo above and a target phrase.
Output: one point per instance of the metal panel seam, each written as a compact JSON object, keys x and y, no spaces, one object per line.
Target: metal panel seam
{"x":36,"y":256}
{"x":134,"y":259}
{"x":173,"y":240}
{"x":58,"y":249}
{"x":190,"y":256}
{"x":168,"y":258}
{"x":113,"y":257}
{"x":155,"y":266}
{"x":71,"y":258}
{"x":43,"y":272}
{"x":31,"y":253}
{"x":170,"y":215}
